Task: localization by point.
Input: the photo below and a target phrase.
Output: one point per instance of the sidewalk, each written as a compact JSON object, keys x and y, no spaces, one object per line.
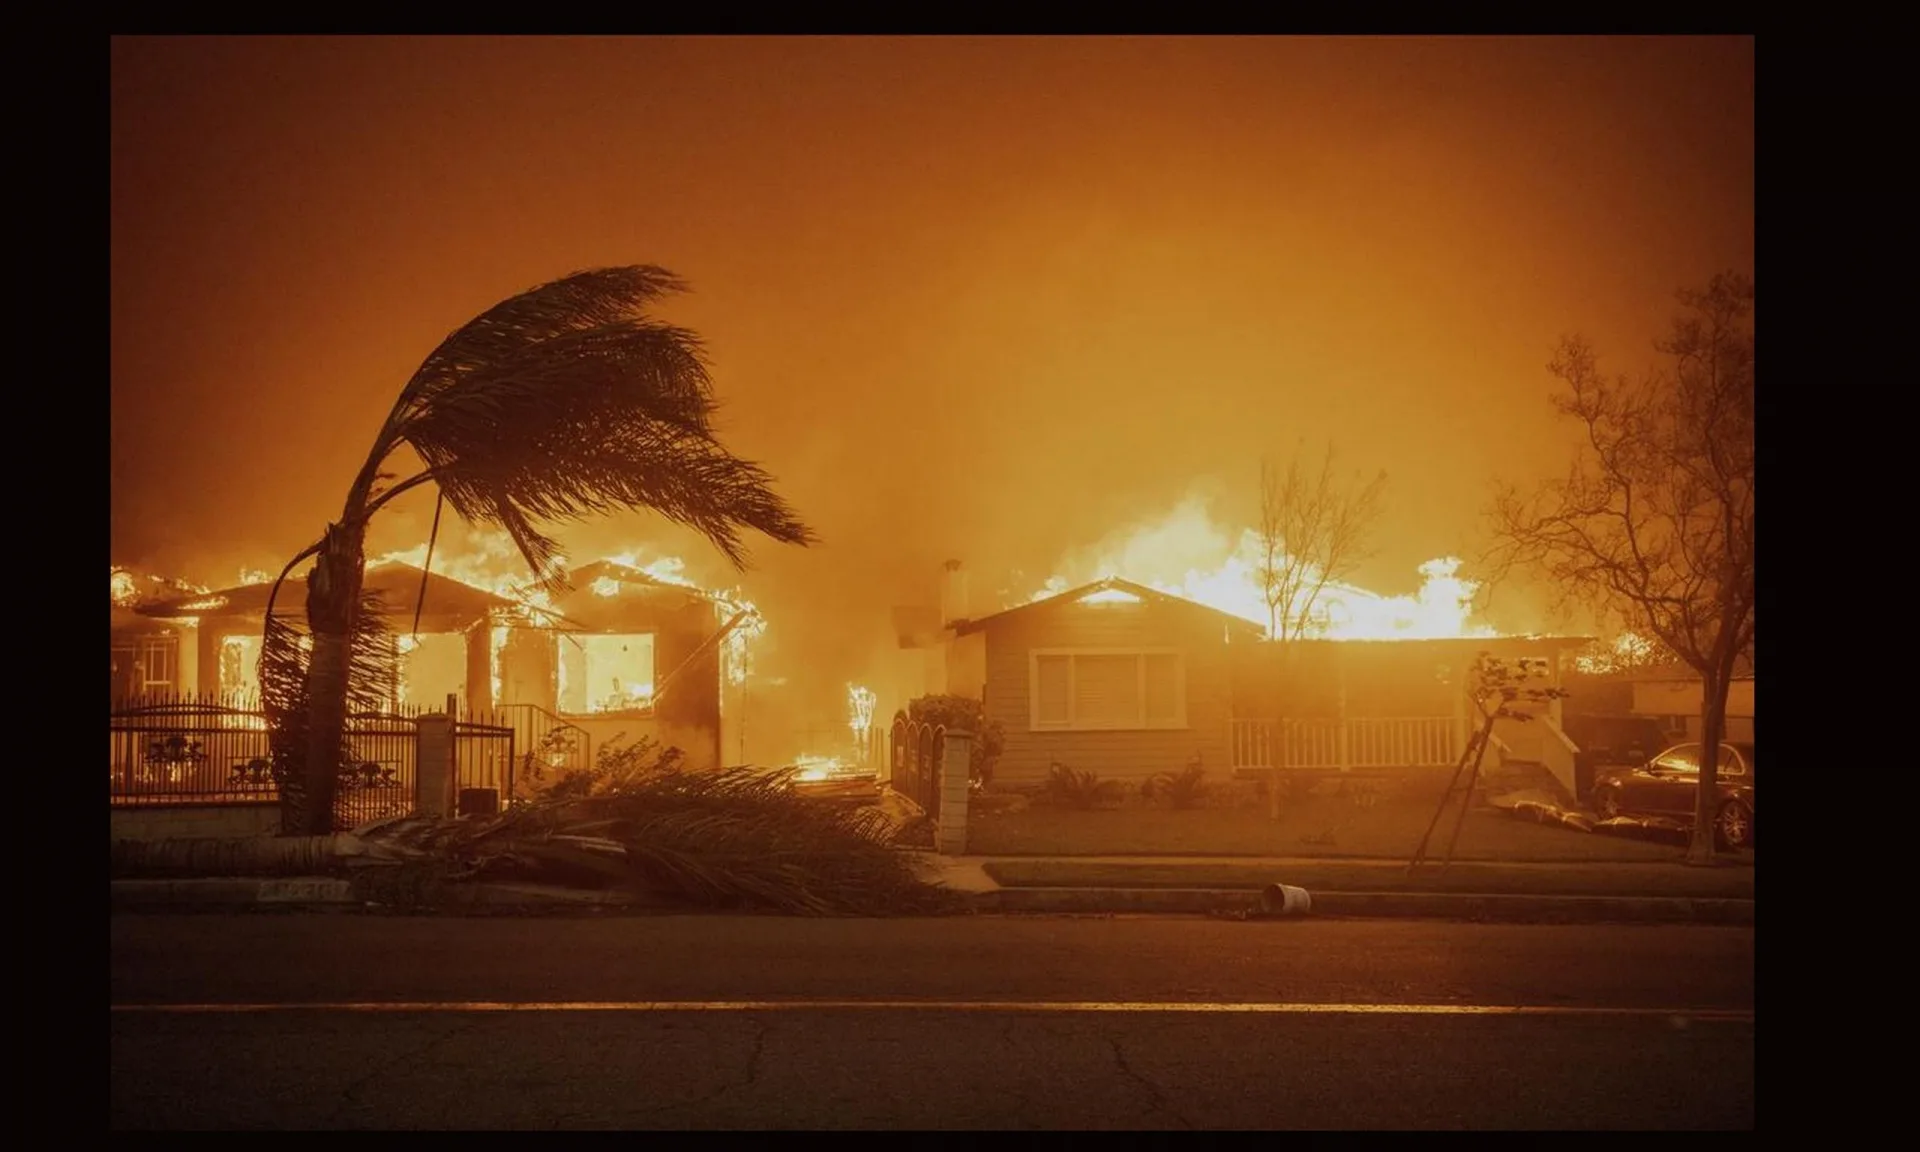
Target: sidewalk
{"x":1220,"y":886}
{"x":1479,"y":890}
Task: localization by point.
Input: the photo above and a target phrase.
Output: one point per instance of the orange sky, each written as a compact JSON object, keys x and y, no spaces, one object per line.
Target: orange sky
{"x":983,"y":298}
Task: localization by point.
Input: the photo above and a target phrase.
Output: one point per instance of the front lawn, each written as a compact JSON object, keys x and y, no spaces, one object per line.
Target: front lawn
{"x":1311,"y":826}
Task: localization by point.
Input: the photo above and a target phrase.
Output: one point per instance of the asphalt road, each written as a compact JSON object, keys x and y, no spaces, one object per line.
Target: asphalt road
{"x":343,"y":1021}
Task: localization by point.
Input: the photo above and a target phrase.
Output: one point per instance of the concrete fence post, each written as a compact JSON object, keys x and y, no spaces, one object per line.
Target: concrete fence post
{"x":955,"y":784}
{"x":433,"y":781}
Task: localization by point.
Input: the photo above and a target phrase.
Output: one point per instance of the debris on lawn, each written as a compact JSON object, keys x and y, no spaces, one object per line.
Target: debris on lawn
{"x":739,"y":839}
{"x":736,"y":839}
{"x":1540,"y":808}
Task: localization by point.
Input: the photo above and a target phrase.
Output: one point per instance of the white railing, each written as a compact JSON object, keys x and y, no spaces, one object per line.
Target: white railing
{"x":1250,"y":743}
{"x":1340,"y":745}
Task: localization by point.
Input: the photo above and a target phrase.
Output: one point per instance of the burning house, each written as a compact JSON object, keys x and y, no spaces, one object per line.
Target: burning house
{"x":218,"y":635}
{"x":1133,"y":676}
{"x":149,"y":656}
{"x":627,"y":653}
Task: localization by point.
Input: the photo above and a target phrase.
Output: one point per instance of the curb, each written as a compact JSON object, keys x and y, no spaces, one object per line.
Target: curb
{"x":329,"y":892}
{"x":310,"y":891}
{"x":1430,"y":905}
{"x":325,"y":892}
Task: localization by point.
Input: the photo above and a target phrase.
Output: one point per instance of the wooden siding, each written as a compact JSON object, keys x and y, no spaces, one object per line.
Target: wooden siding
{"x":1124,"y":754}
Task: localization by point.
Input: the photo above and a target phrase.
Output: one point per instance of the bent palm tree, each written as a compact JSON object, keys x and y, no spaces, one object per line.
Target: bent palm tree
{"x":559,"y":403}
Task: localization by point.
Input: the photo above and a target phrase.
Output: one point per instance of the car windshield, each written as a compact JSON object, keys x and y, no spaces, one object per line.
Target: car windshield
{"x":1735,"y":759}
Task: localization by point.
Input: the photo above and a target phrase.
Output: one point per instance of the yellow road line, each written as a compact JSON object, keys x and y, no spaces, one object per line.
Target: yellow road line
{"x":1067,"y":1006}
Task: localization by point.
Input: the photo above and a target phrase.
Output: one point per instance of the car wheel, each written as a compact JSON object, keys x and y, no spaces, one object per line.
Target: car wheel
{"x":1607,"y":803}
{"x":1735,"y":825}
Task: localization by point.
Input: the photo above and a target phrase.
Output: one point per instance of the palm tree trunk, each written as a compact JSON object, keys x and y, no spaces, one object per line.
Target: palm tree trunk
{"x":333,"y":595}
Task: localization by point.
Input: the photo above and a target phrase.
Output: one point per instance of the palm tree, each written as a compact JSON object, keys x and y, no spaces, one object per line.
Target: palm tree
{"x":563,"y":402}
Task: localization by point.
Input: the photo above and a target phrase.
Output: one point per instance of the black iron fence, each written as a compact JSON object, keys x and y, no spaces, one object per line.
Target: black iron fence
{"x":185,"y":749}
{"x":544,"y":745}
{"x":483,"y":765}
{"x":915,"y":750}
{"x":169,"y":748}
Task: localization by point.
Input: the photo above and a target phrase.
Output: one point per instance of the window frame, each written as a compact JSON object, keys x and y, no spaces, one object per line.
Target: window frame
{"x":634,"y":712}
{"x":1141,"y":723}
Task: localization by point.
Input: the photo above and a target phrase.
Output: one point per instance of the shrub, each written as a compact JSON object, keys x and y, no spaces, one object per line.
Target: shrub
{"x":1182,"y":789}
{"x":964,"y":712}
{"x":616,"y":766}
{"x":1078,"y":789}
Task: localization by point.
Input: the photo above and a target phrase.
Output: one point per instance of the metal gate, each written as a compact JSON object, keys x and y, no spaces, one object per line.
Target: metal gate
{"x":483,"y":765}
{"x":916,"y":750}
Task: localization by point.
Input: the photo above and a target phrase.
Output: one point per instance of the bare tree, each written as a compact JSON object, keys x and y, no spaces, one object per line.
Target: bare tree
{"x":1653,"y":523}
{"x":1313,"y":533}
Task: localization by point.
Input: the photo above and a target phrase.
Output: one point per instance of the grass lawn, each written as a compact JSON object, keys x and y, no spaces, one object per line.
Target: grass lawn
{"x":1331,"y":827}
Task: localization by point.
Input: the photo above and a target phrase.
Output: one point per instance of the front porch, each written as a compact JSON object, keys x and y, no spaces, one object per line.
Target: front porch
{"x":1344,"y":745}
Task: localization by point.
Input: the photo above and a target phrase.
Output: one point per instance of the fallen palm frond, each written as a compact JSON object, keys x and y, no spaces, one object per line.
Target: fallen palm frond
{"x":743,"y":838}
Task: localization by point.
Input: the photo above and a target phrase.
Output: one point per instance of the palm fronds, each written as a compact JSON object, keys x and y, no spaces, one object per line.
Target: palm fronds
{"x":738,"y":839}
{"x":565,"y":402}
{"x":285,"y":651}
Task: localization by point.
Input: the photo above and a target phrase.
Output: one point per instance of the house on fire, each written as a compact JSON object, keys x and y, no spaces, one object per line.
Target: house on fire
{"x":1128,"y":681}
{"x":215,"y":645}
{"x":619,"y":657}
{"x":624,"y":656}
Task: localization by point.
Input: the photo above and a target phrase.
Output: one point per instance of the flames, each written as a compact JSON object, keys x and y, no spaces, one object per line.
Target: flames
{"x":1186,"y":554}
{"x":127,"y":588}
{"x":860,"y":702}
{"x":1628,"y":651}
{"x":491,"y":561}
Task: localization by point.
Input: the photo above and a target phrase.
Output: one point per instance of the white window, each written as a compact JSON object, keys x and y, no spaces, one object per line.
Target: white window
{"x":1108,"y":688}
{"x":240,"y":664}
{"x":605,"y":673}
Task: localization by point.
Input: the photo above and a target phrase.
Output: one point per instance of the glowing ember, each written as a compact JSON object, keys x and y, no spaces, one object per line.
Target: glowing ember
{"x":1185,"y":554}
{"x":815,"y":768}
{"x":860,"y":702}
{"x":130,"y":589}
{"x":606,"y":586}
{"x":1628,"y":650}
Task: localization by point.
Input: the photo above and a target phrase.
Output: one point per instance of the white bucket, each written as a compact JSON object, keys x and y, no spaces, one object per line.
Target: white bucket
{"x":1284,"y":900}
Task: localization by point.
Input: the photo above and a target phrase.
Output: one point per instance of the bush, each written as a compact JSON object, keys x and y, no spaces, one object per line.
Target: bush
{"x":616,"y":767}
{"x":968,"y":714}
{"x":1078,"y":789}
{"x":1183,"y":789}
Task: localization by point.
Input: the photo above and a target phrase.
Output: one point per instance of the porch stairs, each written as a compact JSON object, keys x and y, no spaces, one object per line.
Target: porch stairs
{"x":1533,"y":754}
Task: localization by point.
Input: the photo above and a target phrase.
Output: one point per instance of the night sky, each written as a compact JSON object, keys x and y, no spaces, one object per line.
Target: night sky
{"x":991,"y":299}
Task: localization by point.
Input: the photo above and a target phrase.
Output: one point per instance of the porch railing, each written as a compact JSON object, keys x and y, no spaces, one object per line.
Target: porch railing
{"x":1342,"y":745}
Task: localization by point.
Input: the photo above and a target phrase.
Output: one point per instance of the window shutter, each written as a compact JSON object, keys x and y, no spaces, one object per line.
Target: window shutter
{"x":1106,"y":690}
{"x":1164,"y":703}
{"x":1050,"y":690}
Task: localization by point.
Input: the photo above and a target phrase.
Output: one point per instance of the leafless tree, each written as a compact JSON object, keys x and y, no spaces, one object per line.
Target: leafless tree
{"x":1314,"y":525}
{"x":1653,"y":523}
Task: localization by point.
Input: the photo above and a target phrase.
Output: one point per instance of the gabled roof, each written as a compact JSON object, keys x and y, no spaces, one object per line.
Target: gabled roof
{"x":1110,"y":584}
{"x":399,"y":584}
{"x":584,"y":577}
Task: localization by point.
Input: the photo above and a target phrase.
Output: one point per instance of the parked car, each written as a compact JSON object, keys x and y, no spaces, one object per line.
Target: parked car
{"x":1609,"y":745}
{"x":1668,"y":784}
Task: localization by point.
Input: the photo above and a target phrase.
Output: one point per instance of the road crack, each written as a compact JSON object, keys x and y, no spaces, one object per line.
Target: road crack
{"x":349,"y":1094}
{"x":750,"y":1074}
{"x":1154,"y":1092}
